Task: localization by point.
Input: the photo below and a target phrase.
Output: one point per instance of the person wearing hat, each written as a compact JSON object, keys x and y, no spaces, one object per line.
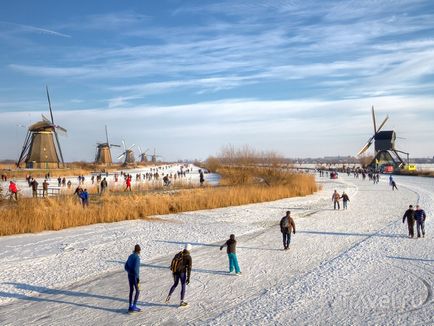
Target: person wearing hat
{"x":181,"y":269}
{"x":409,"y":215}
{"x":132,"y":267}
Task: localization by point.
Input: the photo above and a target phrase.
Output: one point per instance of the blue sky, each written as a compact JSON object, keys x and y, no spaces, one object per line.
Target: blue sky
{"x":188,"y":77}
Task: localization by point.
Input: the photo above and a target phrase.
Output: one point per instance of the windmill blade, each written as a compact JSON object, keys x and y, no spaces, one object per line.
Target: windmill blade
{"x":61,"y":129}
{"x":131,"y":146}
{"x":373,"y":119}
{"x":123,"y":143}
{"x":120,"y":156}
{"x":140,"y":150}
{"x":106,"y":134}
{"x":44,"y":118}
{"x":365,"y":148}
{"x":114,"y":145}
{"x":382,"y":124}
{"x":49,"y":104}
{"x":146,"y":150}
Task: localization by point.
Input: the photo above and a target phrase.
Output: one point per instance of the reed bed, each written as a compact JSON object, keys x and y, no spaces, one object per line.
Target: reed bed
{"x":35,"y":215}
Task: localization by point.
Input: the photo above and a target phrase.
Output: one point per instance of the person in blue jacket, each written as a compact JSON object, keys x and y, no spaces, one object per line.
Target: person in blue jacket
{"x":420,"y":217}
{"x":132,"y":266}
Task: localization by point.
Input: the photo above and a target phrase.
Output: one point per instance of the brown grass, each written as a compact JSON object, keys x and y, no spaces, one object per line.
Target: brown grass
{"x":253,"y":186}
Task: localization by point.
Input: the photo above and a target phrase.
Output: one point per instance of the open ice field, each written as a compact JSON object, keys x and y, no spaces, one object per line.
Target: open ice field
{"x":344,"y":267}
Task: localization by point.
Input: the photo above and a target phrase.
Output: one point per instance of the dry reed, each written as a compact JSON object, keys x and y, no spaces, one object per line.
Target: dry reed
{"x":36,"y":215}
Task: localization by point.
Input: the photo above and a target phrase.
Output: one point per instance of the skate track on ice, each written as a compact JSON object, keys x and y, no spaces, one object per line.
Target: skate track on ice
{"x":344,"y":267}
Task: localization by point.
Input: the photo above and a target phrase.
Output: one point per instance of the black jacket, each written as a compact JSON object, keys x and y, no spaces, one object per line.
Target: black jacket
{"x":186,"y":263}
{"x":409,"y":214}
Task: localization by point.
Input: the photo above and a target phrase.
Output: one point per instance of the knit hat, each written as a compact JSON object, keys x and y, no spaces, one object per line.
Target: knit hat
{"x":187,"y":247}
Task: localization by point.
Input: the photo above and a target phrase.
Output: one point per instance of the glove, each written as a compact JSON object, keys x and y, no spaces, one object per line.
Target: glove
{"x":188,"y":281}
{"x":138,"y":280}
{"x":221,"y":247}
{"x":293,"y":232}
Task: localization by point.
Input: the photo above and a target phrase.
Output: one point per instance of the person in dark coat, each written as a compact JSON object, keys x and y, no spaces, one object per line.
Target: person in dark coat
{"x":286,"y":226}
{"x":231,"y":245}
{"x":34,"y":188}
{"x":394,"y":185}
{"x":132,"y":267}
{"x":420,"y":217}
{"x":181,"y":272}
{"x":409,"y":215}
{"x":345,"y":200}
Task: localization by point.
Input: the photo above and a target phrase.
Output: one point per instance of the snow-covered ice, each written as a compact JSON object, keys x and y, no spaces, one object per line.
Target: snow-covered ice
{"x":344,"y":267}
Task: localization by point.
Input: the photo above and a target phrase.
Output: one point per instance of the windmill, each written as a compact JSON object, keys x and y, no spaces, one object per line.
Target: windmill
{"x":128,"y":154}
{"x":154,"y":156}
{"x":384,"y":148}
{"x":142,"y":155}
{"x":103,"y":155}
{"x":41,"y":147}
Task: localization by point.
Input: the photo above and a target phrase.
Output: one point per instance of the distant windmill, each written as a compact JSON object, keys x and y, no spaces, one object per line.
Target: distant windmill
{"x":41,"y":147}
{"x":103,"y":153}
{"x":154,"y":156}
{"x":127,"y":155}
{"x":384,"y":148}
{"x":142,"y":155}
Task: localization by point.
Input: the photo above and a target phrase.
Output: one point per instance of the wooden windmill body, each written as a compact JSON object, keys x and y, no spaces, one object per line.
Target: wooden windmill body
{"x":103,"y":153}
{"x":41,"y":149}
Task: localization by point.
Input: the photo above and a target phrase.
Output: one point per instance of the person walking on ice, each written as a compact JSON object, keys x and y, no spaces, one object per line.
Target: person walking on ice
{"x":181,"y":270}
{"x":335,"y":198}
{"x":394,"y":185}
{"x":286,"y":225}
{"x":345,"y":200}
{"x":409,"y":215}
{"x":420,"y":217}
{"x":231,"y":245}
{"x":132,"y":267}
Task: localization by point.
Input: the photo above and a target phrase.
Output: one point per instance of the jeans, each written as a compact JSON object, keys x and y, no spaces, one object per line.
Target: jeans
{"x":336,"y":203}
{"x":233,"y":262}
{"x":134,"y":285}
{"x":345,"y":204}
{"x":286,"y":239}
{"x":420,"y":225}
{"x":176,"y":278}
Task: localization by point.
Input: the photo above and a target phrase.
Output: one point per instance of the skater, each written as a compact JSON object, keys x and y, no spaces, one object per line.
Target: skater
{"x":13,"y":191}
{"x":84,"y":195}
{"x":181,"y":269}
{"x":45,"y":188}
{"x":34,"y":184}
{"x":231,"y":245}
{"x":394,"y":185}
{"x":103,"y":185}
{"x":132,"y":267}
{"x":409,"y":215}
{"x":345,"y":200}
{"x":390,"y":180}
{"x":335,"y":199}
{"x":420,"y":216}
{"x":128,"y":183}
{"x":201,"y":177}
{"x":286,"y":225}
